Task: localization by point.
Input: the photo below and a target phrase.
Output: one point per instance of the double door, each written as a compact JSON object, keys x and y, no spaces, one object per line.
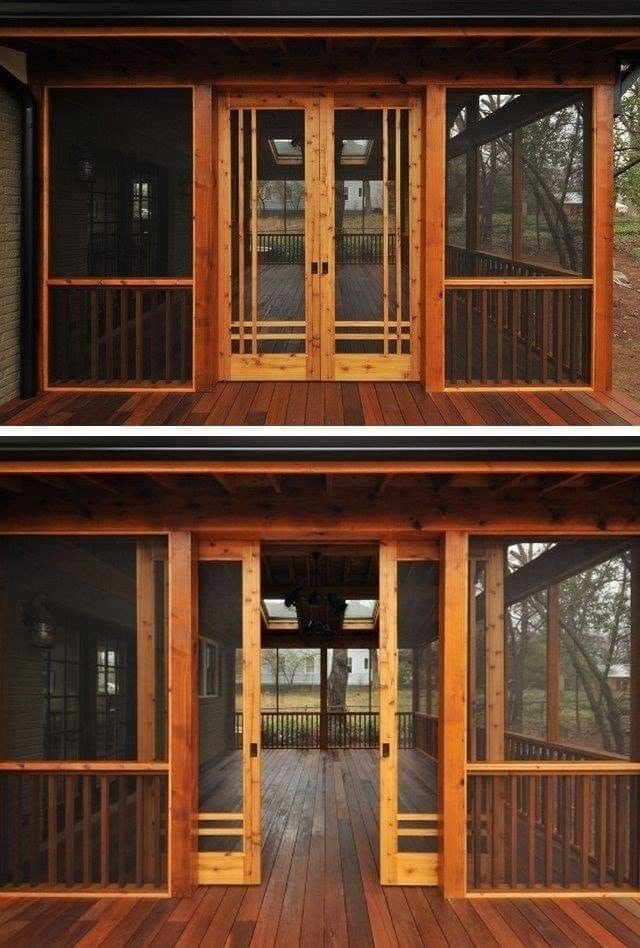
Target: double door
{"x":319,"y":236}
{"x":229,"y":687}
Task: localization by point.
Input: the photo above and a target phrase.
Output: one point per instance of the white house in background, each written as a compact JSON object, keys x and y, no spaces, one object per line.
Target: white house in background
{"x":307,"y":671}
{"x":353,"y":194}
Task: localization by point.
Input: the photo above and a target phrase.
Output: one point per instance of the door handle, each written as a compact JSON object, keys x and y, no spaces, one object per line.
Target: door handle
{"x":253,"y":750}
{"x":385,"y":750}
{"x":314,"y":266}
{"x":325,"y":267}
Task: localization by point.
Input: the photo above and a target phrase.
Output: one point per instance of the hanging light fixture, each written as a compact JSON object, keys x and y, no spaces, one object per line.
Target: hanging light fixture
{"x":38,"y":619}
{"x":317,"y":613}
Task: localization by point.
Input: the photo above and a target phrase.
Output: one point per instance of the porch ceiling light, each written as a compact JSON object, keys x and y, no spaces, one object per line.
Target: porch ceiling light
{"x":317,"y":613}
{"x":38,"y":619}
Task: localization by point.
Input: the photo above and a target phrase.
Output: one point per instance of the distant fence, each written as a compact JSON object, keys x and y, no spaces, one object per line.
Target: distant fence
{"x":349,"y":248}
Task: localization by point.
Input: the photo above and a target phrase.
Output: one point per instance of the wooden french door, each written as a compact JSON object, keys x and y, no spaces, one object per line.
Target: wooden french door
{"x":319,"y":237}
{"x":409,"y":668}
{"x":228,"y":819}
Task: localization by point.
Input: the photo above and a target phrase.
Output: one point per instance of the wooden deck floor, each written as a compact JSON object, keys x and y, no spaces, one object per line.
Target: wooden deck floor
{"x":320,"y":887}
{"x":322,"y":403}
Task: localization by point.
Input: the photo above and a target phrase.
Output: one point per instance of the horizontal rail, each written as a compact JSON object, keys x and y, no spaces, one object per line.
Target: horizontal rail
{"x":84,"y":766}
{"x":120,"y":281}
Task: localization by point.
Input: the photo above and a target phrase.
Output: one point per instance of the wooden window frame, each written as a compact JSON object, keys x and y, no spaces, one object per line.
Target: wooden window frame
{"x":200,"y":281}
{"x":599,"y":152}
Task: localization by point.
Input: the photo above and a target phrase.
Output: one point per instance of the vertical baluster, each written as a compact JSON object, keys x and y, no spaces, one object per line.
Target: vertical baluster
{"x":140,"y":842}
{"x":93,"y":342}
{"x":35,"y":828}
{"x":122,"y":829}
{"x":516,"y":316}
{"x":550,"y":785}
{"x":585,"y":830}
{"x":531,"y":830}
{"x":499,"y":297}
{"x":69,"y":829}
{"x":104,"y":830}
{"x":124,"y":334}
{"x":168,"y":342}
{"x":52,"y":830}
{"x":15,"y":817}
{"x":139,"y":333}
{"x":470,"y":295}
{"x":108,"y":334}
{"x":484,"y":333}
{"x":619,"y":809}
{"x":80,"y":355}
{"x":87,"y":842}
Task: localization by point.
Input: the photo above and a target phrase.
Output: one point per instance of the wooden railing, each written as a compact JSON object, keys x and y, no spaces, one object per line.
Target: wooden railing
{"x":553,"y":830}
{"x":341,"y":729}
{"x":349,"y":248}
{"x":83,"y":830}
{"x":104,"y":333}
{"x":515,"y":335}
{"x":525,"y":747}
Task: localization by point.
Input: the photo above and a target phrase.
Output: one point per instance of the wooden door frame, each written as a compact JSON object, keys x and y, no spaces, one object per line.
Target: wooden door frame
{"x":270,"y":367}
{"x":400,"y":868}
{"x":237,"y":868}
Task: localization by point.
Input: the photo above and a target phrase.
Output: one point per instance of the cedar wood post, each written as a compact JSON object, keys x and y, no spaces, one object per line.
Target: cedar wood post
{"x":183,"y":712}
{"x":453,"y":714}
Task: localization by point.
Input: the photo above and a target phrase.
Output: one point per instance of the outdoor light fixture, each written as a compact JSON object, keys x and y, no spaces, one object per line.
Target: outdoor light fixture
{"x":317,"y":613}
{"x":38,"y":619}
{"x":85,"y":166}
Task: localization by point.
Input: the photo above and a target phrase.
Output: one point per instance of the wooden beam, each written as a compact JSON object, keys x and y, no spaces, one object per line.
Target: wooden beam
{"x":561,"y":561}
{"x":453,"y":713}
{"x":146,"y":650}
{"x":553,"y":663}
{"x":602,"y":236}
{"x":495,"y":651}
{"x":433,"y":237}
{"x":183,"y":712}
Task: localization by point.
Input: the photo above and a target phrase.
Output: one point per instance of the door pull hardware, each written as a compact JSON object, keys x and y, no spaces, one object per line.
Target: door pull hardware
{"x":253,"y":750}
{"x":385,"y":750}
{"x":325,"y":267}
{"x":314,"y":267}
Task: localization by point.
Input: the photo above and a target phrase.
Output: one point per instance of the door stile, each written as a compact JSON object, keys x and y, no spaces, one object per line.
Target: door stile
{"x":251,"y":711}
{"x":388,"y":684}
{"x":239,"y":867}
{"x":326,"y":235}
{"x":313,"y":251}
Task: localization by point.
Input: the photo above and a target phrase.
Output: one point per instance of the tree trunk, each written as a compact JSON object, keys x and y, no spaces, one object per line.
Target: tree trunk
{"x":337,"y":685}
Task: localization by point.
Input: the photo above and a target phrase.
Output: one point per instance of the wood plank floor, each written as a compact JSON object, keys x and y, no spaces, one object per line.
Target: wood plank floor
{"x":320,"y":887}
{"x":322,"y":403}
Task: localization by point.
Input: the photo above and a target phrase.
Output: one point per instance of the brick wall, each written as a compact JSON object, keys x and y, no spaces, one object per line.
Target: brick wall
{"x":9,"y":246}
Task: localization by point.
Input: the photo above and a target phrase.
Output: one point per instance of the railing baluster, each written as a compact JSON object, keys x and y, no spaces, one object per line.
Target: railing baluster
{"x":139,"y":333}
{"x":69,"y":829}
{"x":104,"y":830}
{"x":87,"y":850}
{"x":52,"y":829}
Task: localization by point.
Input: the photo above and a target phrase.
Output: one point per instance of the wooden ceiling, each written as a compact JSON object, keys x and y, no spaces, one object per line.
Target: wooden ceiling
{"x":306,"y":507}
{"x":313,"y":55}
{"x":350,"y":571}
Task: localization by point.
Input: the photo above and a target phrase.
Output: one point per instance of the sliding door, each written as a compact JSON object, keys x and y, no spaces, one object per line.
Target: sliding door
{"x":229,"y":713}
{"x":319,"y":236}
{"x":409,"y":714}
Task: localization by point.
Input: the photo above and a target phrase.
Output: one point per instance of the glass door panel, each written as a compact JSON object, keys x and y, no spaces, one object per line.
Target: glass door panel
{"x":268,"y":222}
{"x":375,"y":210}
{"x":228,"y":710}
{"x":409,"y":711}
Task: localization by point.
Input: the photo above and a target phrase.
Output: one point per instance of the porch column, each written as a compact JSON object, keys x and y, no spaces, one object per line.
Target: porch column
{"x":434,"y":174}
{"x":602,"y":189}
{"x":553,"y":663}
{"x":145,"y":650}
{"x":453,"y":713}
{"x":183,"y":711}
{"x":494,"y":652}
{"x":324,"y":722}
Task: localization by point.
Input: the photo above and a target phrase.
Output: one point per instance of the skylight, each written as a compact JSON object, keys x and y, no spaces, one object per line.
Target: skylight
{"x":286,"y":151}
{"x":360,"y":613}
{"x":355,"y":151}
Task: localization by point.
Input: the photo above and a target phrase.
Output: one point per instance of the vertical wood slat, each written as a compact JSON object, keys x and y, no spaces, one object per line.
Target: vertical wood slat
{"x":69,"y":828}
{"x":93,"y":335}
{"x":183,"y":710}
{"x":108,"y":335}
{"x":203,"y":311}
{"x":602,"y":189}
{"x":168,"y":335}
{"x":35,"y":826}
{"x":532,"y":830}
{"x":434,"y":175}
{"x":398,"y":229}
{"x":240,"y":136}
{"x":124,"y":333}
{"x":87,"y":841}
{"x":251,"y":710}
{"x":122,"y":830}
{"x":104,"y":830}
{"x":385,"y":229}
{"x":387,"y":683}
{"x":453,"y":714}
{"x":139,"y":332}
{"x":52,"y":829}
{"x":254,"y":232}
{"x":15,"y":811}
